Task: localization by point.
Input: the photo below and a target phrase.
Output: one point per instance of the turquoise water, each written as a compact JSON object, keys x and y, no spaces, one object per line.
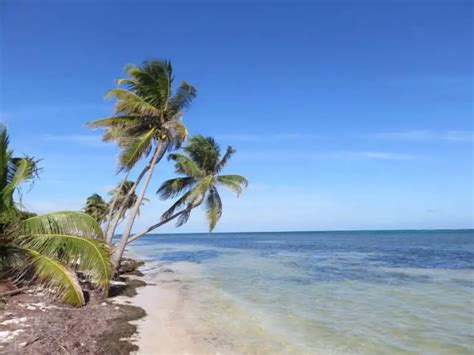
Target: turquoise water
{"x":329,"y":292}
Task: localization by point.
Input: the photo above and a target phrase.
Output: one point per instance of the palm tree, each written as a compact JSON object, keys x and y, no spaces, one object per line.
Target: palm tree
{"x":96,"y":207}
{"x":48,"y":248}
{"x":147,"y":119}
{"x":123,"y":200}
{"x":14,"y":171}
{"x":201,"y":168}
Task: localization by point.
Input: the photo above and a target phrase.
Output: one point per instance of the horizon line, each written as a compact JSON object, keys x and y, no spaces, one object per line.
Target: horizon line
{"x":326,"y":231}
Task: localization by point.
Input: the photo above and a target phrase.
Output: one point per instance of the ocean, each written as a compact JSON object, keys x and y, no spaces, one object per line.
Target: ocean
{"x":358,"y":292}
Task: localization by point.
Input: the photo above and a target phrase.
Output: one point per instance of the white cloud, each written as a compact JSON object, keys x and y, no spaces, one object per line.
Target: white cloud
{"x":90,"y":140}
{"x":428,"y":136}
{"x":271,"y":137}
{"x":379,"y":156}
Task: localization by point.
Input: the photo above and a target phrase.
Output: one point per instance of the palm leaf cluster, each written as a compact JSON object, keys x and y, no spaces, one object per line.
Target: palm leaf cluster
{"x":147,"y":111}
{"x":58,"y":244}
{"x":49,"y":248}
{"x":200,"y":168}
{"x":14,"y":171}
{"x":96,"y":207}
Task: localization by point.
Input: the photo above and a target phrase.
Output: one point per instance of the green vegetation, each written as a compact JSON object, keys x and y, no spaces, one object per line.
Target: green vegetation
{"x":147,"y":124}
{"x":47,"y":249}
{"x":96,"y":207}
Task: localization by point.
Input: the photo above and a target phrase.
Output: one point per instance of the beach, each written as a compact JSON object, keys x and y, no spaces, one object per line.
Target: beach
{"x":169,"y":326}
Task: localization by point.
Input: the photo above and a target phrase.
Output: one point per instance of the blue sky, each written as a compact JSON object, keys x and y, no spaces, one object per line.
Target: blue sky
{"x":345,"y":114}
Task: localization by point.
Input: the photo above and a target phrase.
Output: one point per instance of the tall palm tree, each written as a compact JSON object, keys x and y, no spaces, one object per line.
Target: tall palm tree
{"x":147,"y":120}
{"x":201,"y":168}
{"x":96,"y":207}
{"x":48,"y":247}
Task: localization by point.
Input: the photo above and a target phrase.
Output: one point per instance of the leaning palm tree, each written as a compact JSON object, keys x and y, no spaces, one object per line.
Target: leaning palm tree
{"x":201,"y":168}
{"x":147,"y":122}
{"x":47,"y":248}
{"x":96,"y":207}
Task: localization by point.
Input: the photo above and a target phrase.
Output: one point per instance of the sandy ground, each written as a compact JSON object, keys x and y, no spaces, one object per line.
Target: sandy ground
{"x":170,"y":326}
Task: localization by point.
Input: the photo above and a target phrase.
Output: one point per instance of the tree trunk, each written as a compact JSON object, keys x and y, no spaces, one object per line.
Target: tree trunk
{"x":114,"y":224}
{"x":112,"y":207}
{"x":118,"y":251}
{"x":159,"y":224}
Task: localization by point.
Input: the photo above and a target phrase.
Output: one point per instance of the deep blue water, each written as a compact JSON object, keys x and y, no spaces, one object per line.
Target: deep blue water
{"x":440,"y":249}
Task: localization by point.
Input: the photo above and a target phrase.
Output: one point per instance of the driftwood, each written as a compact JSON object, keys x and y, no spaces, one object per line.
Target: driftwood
{"x":13,"y":292}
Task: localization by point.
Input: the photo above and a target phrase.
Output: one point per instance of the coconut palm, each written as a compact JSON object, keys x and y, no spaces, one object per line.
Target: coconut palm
{"x":123,"y":200}
{"x":147,"y":119}
{"x":96,"y":207}
{"x":201,"y":167}
{"x":47,"y":248}
{"x":14,"y":171}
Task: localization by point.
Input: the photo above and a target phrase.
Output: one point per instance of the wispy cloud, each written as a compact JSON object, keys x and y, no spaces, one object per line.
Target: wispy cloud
{"x":271,"y":137}
{"x":272,"y":156}
{"x":428,"y":136}
{"x":378,"y":155}
{"x":83,"y":139}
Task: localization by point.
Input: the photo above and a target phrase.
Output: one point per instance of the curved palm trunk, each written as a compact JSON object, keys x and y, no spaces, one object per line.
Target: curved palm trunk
{"x":118,"y":252}
{"x":116,"y":219}
{"x":159,"y":224}
{"x":112,"y":207}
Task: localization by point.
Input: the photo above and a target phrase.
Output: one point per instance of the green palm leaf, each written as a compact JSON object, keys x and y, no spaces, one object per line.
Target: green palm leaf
{"x":233,"y":182}
{"x":213,"y":208}
{"x":135,"y":149}
{"x":184,"y":165}
{"x":113,"y":121}
{"x":53,"y":275}
{"x":176,"y":132}
{"x":130,"y":103}
{"x":89,"y":255}
{"x":225,"y":159}
{"x":173,"y":187}
{"x":65,"y":222}
{"x":182,"y":99}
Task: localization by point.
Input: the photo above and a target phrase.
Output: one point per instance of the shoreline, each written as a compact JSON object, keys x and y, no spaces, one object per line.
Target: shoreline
{"x":169,"y":325}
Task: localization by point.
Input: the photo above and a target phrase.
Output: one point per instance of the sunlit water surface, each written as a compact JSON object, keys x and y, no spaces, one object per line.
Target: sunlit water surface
{"x":329,"y":292}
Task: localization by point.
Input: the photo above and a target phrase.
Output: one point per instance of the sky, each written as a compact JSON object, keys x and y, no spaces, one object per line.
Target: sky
{"x":344,"y":114}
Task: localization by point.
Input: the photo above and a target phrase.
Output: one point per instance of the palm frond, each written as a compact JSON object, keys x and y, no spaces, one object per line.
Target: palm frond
{"x":213,"y":208}
{"x":113,"y":121}
{"x":183,"y":218}
{"x":176,"y":132}
{"x":196,"y":195}
{"x":53,"y":275}
{"x":184,"y":165}
{"x":175,"y":206}
{"x":152,"y":81}
{"x":65,"y":222}
{"x":182,"y":99}
{"x":20,"y":170}
{"x":233,"y":182}
{"x":130,"y":103}
{"x":225,"y":159}
{"x":135,"y":149}
{"x":173,"y":187}
{"x":89,"y":255}
{"x":204,"y":152}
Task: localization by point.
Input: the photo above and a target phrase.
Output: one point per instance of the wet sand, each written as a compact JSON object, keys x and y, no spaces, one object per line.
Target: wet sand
{"x":170,"y":326}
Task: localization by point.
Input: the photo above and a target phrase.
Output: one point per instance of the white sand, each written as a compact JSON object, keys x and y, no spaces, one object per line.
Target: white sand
{"x":168,"y":327}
